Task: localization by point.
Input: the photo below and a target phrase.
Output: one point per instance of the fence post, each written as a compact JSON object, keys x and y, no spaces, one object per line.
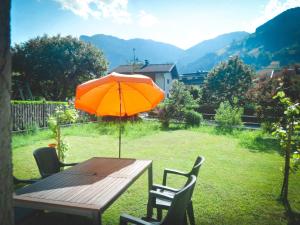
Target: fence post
{"x":43,"y":114}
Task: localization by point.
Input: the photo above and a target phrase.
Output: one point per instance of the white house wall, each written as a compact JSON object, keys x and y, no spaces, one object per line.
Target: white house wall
{"x":160,"y":81}
{"x":168,"y":83}
{"x":164,"y":81}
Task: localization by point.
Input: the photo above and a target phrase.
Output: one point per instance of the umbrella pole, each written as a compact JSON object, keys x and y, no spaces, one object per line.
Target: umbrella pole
{"x":120,"y":133}
{"x":120,"y":126}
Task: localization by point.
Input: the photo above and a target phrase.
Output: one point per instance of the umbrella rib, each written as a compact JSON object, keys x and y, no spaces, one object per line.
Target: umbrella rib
{"x":140,"y":93}
{"x":123,"y":100}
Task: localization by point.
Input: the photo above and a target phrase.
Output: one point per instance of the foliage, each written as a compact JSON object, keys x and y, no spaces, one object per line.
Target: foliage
{"x":287,"y":131}
{"x":177,"y":104}
{"x":265,"y":87}
{"x":32,"y":128}
{"x":20,"y":102}
{"x":228,"y":117}
{"x":267,"y":109}
{"x":193,"y":118}
{"x":196,"y":92}
{"x":53,"y":66}
{"x":61,"y":116}
{"x":227,"y":81}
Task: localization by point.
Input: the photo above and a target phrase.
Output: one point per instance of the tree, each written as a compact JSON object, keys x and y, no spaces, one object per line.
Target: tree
{"x":261,"y":94}
{"x":177,"y":104}
{"x":287,"y":130}
{"x":227,"y":81}
{"x":265,"y":87}
{"x":6,"y":188}
{"x":54,"y":66}
{"x":62,"y":115}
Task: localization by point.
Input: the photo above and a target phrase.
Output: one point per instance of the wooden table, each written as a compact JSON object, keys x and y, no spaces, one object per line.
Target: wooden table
{"x":86,"y":189}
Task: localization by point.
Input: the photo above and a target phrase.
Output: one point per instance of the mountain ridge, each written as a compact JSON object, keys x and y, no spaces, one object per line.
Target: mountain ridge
{"x":268,"y":43}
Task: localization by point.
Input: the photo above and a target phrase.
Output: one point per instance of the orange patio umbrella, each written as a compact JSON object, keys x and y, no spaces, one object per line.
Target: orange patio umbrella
{"x":118,"y":95}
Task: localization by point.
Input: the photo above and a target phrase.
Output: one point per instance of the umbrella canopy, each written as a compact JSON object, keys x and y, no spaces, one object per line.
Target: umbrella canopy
{"x":118,"y":95}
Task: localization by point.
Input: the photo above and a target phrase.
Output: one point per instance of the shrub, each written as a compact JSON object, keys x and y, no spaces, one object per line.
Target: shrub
{"x":174,"y":107}
{"x":228,"y":117}
{"x":267,"y":127}
{"x":193,"y":118}
{"x":62,"y":115}
{"x":32,"y":128}
{"x":165,"y":114}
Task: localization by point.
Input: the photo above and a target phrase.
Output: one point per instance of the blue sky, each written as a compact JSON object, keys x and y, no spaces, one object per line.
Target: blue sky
{"x":183,"y":23}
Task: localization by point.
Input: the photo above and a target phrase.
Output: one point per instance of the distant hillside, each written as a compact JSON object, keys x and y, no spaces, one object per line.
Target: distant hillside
{"x":119,"y":51}
{"x":276,"y":40}
{"x":187,"y":61}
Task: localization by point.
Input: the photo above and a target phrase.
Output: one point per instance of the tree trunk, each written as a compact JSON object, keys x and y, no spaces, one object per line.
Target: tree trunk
{"x":285,"y":184}
{"x":6,"y":188}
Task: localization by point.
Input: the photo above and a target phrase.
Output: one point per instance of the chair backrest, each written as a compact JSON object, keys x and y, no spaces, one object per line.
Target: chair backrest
{"x":196,"y":167}
{"x":47,"y":161}
{"x":198,"y":163}
{"x":181,"y":200}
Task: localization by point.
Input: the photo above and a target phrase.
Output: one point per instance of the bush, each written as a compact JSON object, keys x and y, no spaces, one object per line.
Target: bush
{"x":164,"y":114}
{"x":176,"y":105}
{"x":267,"y":127}
{"x":193,"y":118}
{"x":228,"y":117}
{"x":32,"y":128}
{"x":62,"y":115}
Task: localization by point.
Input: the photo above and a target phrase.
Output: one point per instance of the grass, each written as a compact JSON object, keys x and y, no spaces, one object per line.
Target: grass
{"x":239,"y":182}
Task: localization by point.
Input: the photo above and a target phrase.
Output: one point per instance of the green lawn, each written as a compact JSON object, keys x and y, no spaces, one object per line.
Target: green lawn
{"x":239,"y":182}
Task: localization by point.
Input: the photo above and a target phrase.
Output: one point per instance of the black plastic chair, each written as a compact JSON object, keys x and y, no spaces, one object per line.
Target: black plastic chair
{"x":162,"y":204}
{"x":176,"y":213}
{"x":48,"y":162}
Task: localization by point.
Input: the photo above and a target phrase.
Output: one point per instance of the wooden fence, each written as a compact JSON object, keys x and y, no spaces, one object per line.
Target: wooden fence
{"x":29,"y":114}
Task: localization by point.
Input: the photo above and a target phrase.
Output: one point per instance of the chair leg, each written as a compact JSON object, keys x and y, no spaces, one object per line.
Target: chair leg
{"x":190,"y":213}
{"x":122,"y":221}
{"x":159,"y":214}
{"x":185,"y":220}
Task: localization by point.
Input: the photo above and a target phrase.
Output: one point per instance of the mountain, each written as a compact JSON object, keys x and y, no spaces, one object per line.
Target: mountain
{"x":276,"y":40}
{"x":207,"y":47}
{"x":119,"y":51}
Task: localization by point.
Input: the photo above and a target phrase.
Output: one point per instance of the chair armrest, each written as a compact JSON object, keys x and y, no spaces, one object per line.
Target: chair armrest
{"x":171,"y":171}
{"x":44,"y":175}
{"x":165,"y":188}
{"x":157,"y":194}
{"x":67,"y":164}
{"x":125,"y":219}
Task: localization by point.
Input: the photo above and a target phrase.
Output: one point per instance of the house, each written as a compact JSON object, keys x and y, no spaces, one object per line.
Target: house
{"x":161,"y":74}
{"x":196,"y":78}
{"x":270,"y":70}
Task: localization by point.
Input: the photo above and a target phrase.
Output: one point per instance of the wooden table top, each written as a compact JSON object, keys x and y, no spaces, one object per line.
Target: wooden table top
{"x":90,"y":185}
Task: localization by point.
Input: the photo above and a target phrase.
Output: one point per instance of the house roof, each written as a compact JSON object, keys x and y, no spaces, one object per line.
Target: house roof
{"x":141,"y":68}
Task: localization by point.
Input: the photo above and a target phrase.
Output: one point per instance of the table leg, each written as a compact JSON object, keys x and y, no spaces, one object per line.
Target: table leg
{"x":150,"y":184}
{"x":97,"y":220}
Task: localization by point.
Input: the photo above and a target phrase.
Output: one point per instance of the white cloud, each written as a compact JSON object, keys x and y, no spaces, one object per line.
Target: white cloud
{"x":146,"y":19}
{"x":272,"y":9}
{"x":108,"y":9}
